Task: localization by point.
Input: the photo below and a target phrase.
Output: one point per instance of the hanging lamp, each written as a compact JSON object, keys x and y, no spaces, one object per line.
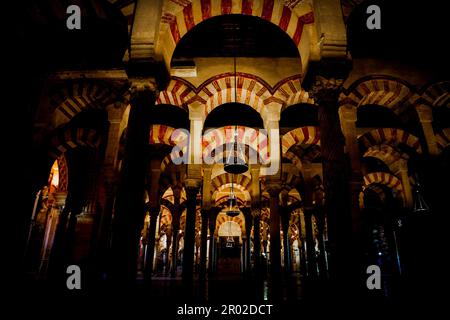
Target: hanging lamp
{"x":235,"y":161}
{"x":230,"y":239}
{"x":233,"y":209}
{"x":420,"y":206}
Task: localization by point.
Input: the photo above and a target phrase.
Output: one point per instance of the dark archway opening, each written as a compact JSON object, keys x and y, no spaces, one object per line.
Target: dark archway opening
{"x":235,"y":35}
{"x":233,"y":114}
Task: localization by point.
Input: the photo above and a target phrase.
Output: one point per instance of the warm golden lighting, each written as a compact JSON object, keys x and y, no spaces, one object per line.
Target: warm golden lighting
{"x":54,"y":175}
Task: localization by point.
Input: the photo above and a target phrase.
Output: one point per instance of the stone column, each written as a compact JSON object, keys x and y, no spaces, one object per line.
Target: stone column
{"x":336,"y":177}
{"x":108,"y":187}
{"x":248,"y":229}
{"x":151,"y":240}
{"x":404,"y":177}
{"x":311,"y":266}
{"x":192,"y":188}
{"x":59,"y":219}
{"x":425,"y":114}
{"x":257,"y":240}
{"x":129,"y":206}
{"x":310,"y":250}
{"x":175,"y":228}
{"x":212,"y":242}
{"x":285,"y":217}
{"x":275,"y":241}
{"x":204,"y":239}
{"x":348,"y":117}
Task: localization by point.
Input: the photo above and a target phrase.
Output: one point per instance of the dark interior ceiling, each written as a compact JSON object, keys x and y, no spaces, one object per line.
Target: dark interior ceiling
{"x":372,"y":116}
{"x":409,"y":32}
{"x":101,"y":42}
{"x":235,"y":35}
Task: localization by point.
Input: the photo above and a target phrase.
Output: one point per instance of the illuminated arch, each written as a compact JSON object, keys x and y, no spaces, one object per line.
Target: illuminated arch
{"x":219,"y":137}
{"x":223,"y":218}
{"x":390,"y":93}
{"x":179,"y":20}
{"x":386,"y":179}
{"x":251,"y":91}
{"x":290,"y":91}
{"x":63,"y":173}
{"x":390,"y":156}
{"x":76,"y":96}
{"x":162,"y":134}
{"x":303,"y":135}
{"x":390,"y":136}
{"x":179,"y":93}
{"x":226,"y":178}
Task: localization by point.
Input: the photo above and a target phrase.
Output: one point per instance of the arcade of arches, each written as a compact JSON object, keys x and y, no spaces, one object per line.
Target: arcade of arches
{"x":355,"y":142}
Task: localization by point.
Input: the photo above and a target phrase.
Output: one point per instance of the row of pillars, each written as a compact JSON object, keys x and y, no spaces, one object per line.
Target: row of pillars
{"x":129,"y":210}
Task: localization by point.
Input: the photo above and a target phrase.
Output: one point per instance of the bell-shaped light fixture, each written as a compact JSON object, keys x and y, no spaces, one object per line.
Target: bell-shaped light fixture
{"x":233,"y":209}
{"x":230,"y":238}
{"x":420,"y":206}
{"x":235,"y":161}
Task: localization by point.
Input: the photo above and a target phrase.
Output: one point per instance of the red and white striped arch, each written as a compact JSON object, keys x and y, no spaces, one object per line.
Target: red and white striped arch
{"x":162,"y":134}
{"x":223,"y":218}
{"x":291,"y":93}
{"x":226,"y":178}
{"x":386,"y":179}
{"x":219,"y":137}
{"x":303,"y":135}
{"x":250,"y":91}
{"x":178,"y":93}
{"x":388,"y":93}
{"x":183,"y":17}
{"x":76,"y":96}
{"x":390,"y":136}
{"x":72,"y":138}
{"x":389,"y":155}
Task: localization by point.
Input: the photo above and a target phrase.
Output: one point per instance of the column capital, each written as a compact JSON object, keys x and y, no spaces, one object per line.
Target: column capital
{"x":192,"y":184}
{"x":326,"y":89}
{"x":141,"y":85}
